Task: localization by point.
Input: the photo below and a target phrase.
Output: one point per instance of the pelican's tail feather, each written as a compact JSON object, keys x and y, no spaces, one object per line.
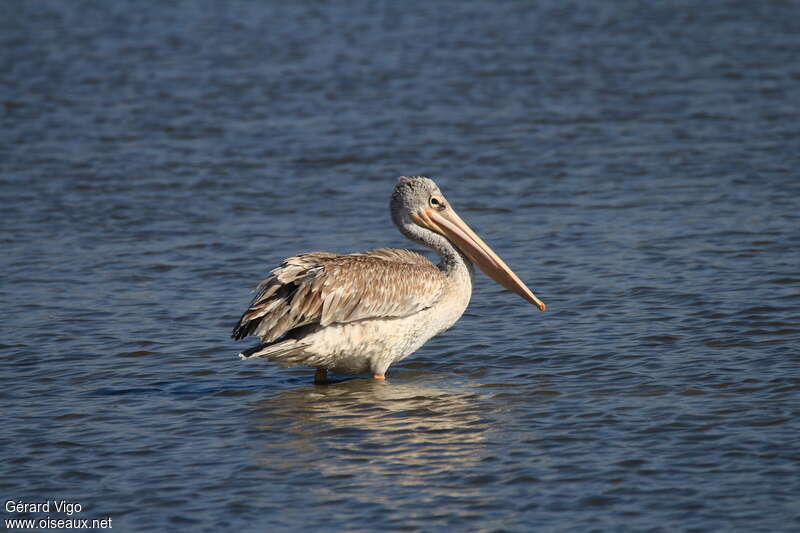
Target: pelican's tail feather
{"x":255,"y":351}
{"x":287,"y":352}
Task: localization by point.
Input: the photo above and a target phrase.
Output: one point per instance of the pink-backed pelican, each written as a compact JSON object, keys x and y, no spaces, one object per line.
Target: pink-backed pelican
{"x":361,"y":312}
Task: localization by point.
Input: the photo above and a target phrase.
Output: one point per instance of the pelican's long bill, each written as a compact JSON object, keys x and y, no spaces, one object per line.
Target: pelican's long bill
{"x":450,"y":225}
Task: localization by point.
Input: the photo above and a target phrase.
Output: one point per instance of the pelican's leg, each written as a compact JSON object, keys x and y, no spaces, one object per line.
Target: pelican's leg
{"x":379,"y":369}
{"x":321,"y":375}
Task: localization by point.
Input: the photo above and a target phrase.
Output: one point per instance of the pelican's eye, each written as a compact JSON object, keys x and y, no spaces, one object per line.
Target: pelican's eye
{"x":437,"y":202}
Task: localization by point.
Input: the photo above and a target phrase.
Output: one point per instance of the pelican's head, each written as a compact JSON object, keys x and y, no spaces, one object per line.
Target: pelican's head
{"x":417,"y":201}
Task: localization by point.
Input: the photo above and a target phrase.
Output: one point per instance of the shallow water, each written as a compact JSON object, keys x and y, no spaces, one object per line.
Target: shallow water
{"x":637,"y":165}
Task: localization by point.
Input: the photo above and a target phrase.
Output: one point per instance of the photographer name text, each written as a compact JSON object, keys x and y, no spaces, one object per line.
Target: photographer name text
{"x":63,"y":507}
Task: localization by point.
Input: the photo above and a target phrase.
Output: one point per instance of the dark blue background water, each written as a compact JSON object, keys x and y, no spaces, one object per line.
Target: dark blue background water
{"x":635,"y":163}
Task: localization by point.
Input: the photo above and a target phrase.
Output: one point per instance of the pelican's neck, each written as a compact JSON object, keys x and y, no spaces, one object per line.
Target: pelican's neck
{"x":451,"y":261}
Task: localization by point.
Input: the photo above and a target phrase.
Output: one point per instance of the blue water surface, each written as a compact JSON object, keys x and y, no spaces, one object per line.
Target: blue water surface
{"x":635,"y":163}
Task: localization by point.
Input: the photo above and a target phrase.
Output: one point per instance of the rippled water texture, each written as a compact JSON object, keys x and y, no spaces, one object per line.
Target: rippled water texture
{"x":636,"y":164}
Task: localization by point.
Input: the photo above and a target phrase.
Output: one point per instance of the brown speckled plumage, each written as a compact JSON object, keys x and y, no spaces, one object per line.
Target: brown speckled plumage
{"x":324,"y":288}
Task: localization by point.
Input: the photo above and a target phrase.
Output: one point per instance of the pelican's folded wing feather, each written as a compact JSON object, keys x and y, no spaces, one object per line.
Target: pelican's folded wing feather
{"x":324,"y":288}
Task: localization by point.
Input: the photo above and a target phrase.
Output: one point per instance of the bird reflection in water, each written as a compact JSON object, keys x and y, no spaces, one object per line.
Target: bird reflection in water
{"x":374,"y":432}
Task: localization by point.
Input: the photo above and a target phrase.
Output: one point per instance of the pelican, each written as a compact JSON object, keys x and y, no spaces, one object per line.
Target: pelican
{"x":360,"y":313}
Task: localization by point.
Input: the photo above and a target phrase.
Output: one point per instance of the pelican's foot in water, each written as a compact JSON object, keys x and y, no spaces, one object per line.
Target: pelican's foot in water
{"x":321,"y":376}
{"x":378,"y":376}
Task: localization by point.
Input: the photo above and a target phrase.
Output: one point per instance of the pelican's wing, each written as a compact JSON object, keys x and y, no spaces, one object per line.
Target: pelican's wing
{"x":324,"y":288}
